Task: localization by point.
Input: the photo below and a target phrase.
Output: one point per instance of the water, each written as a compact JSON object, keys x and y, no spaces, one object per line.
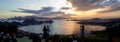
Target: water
{"x":61,"y":27}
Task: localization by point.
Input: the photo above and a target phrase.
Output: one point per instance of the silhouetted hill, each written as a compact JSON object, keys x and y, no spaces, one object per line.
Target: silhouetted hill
{"x":102,"y":22}
{"x":35,"y":17}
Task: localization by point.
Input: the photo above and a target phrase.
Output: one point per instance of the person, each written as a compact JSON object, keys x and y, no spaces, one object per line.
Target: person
{"x":48,"y":30}
{"x":36,"y":38}
{"x":45,"y":33}
{"x":10,"y":39}
{"x":114,"y":39}
{"x":1,"y":36}
{"x":82,"y":33}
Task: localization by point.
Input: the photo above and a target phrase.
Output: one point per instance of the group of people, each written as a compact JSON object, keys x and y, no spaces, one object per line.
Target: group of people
{"x":7,"y":38}
{"x":41,"y":36}
{"x":46,"y":31}
{"x":8,"y":30}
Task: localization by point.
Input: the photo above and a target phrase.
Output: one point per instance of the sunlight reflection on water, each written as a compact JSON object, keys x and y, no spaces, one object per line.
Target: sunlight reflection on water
{"x":61,"y":27}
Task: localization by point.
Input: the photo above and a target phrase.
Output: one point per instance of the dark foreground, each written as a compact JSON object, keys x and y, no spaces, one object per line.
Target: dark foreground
{"x":9,"y":33}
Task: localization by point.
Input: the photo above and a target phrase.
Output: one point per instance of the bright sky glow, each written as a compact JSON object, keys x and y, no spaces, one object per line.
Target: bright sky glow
{"x":7,"y":5}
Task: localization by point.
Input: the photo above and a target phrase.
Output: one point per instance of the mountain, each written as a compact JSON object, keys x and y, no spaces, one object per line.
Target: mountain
{"x":35,"y":17}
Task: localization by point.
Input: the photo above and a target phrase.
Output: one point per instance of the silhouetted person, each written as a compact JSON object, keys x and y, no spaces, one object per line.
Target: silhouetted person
{"x":45,"y":33}
{"x":31,"y":35}
{"x":48,"y":29}
{"x":36,"y":38}
{"x":1,"y":36}
{"x":56,"y":38}
{"x":112,"y":38}
{"x":82,"y":33}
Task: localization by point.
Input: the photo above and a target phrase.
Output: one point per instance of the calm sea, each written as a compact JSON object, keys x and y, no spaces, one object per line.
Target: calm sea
{"x":61,"y":27}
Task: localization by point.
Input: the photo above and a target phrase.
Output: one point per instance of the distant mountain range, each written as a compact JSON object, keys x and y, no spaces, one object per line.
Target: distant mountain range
{"x":102,"y":22}
{"x":35,"y":17}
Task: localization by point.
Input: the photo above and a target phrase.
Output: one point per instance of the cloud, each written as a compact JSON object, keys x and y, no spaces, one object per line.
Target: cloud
{"x":44,"y":11}
{"x":26,"y":11}
{"x":65,"y":8}
{"x":86,"y":5}
{"x":112,"y":5}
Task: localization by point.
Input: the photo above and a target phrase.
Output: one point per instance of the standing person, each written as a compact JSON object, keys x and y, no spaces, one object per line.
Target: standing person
{"x":6,"y":39}
{"x":1,"y":36}
{"x":13,"y":39}
{"x":82,"y":33}
{"x":36,"y":38}
{"x":111,"y":38}
{"x":45,"y":33}
{"x":48,"y":30}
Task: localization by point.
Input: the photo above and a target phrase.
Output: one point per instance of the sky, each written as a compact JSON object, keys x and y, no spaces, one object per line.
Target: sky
{"x":60,"y":8}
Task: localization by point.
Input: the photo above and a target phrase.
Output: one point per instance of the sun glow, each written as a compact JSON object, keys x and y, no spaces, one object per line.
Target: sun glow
{"x":72,"y":10}
{"x":78,"y":14}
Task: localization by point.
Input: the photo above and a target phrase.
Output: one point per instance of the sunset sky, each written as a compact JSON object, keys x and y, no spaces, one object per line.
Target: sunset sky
{"x":60,"y":8}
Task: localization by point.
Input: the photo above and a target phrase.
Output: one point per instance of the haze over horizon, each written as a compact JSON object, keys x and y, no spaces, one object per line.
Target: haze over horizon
{"x":79,"y":9}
